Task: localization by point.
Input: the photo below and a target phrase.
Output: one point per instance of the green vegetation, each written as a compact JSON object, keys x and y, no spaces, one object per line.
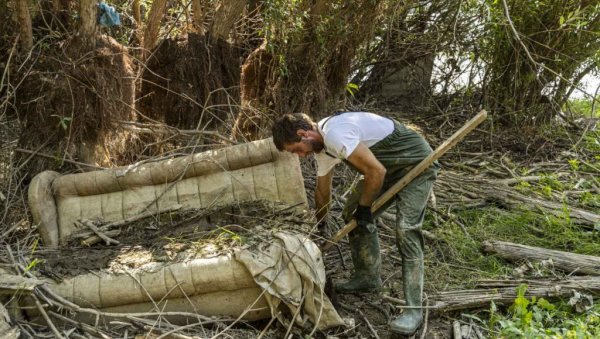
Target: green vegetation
{"x":457,"y":259}
{"x":538,"y":318}
{"x":583,"y":108}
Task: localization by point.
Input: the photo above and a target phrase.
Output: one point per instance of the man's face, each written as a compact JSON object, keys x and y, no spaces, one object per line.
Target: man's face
{"x":307,"y":145}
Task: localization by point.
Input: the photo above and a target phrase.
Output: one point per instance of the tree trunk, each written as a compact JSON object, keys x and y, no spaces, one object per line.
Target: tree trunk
{"x":137,"y":14}
{"x":199,"y":13}
{"x":404,"y":52}
{"x":253,"y":82}
{"x":26,"y":34}
{"x":87,"y":28}
{"x":408,"y":83}
{"x":565,"y":261}
{"x":56,"y":6}
{"x":153,"y":27}
{"x":228,"y":12}
{"x":309,"y":68}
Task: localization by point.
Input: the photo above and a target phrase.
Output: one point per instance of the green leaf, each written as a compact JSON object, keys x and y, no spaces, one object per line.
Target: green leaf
{"x":546,"y":305}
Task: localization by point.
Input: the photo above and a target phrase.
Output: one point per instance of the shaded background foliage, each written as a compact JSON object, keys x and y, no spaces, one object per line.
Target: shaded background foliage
{"x":530,"y":77}
{"x":230,"y":67}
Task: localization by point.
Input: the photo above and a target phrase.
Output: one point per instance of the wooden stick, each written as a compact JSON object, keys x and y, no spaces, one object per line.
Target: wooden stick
{"x":82,"y":326}
{"x":126,"y":221}
{"x":43,"y":155}
{"x":373,"y":331}
{"x":425,"y":317}
{"x":456,"y":330}
{"x":416,"y":171}
{"x":46,"y":317}
{"x":96,"y":239}
{"x":95,"y":229}
{"x":12,"y":228}
{"x":262,"y":333}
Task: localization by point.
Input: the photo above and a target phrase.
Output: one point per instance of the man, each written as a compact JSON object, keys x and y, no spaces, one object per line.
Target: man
{"x":383,"y":150}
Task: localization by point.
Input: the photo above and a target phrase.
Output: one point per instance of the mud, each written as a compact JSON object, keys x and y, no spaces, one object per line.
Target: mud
{"x":176,"y":237}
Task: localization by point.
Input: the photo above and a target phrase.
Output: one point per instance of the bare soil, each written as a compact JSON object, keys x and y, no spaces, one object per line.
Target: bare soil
{"x":175,"y":237}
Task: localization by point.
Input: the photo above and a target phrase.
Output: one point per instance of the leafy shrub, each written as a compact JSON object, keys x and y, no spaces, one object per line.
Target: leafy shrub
{"x":538,"y":318}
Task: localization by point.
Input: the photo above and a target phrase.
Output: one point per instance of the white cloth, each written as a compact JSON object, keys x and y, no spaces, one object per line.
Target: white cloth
{"x":290,"y":269}
{"x":342,"y":133}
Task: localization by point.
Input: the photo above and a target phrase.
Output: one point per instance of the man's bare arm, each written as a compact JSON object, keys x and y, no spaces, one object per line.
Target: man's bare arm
{"x":323,"y":195}
{"x":373,"y":171}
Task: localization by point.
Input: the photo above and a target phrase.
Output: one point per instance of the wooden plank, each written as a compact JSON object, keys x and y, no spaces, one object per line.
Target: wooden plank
{"x":415,"y":172}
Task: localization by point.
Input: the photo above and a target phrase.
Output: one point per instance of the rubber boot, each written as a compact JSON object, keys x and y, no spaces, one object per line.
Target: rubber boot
{"x":412,"y":279}
{"x":364,"y":246}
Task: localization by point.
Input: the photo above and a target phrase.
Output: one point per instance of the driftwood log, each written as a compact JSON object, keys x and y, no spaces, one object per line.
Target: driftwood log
{"x":457,"y":189}
{"x":504,"y":292}
{"x":565,"y":261}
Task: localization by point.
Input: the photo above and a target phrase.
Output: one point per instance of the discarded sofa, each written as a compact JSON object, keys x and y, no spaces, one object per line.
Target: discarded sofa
{"x":242,"y":172}
{"x":238,"y":285}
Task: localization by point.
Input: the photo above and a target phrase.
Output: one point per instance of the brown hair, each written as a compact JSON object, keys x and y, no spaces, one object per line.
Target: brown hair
{"x":285,"y":129}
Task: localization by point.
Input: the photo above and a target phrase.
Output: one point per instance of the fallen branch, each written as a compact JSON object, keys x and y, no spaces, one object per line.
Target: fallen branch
{"x":46,"y":317}
{"x":96,"y":239}
{"x":81,"y":326}
{"x":457,"y":333}
{"x":373,"y":331}
{"x":512,"y":181}
{"x":107,"y":227}
{"x":451,"y":217}
{"x":89,"y":224}
{"x":43,"y":155}
{"x":505,"y":291}
{"x":425,"y":317}
{"x":565,"y":261}
{"x":455,"y":189}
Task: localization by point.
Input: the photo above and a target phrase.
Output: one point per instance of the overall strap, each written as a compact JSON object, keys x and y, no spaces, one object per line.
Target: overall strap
{"x":326,"y":121}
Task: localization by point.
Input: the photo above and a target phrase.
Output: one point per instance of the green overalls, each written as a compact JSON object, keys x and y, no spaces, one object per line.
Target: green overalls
{"x":398,"y":153}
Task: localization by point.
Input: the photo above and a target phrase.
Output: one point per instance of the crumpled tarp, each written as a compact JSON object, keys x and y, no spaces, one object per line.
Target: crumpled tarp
{"x":291,"y":272}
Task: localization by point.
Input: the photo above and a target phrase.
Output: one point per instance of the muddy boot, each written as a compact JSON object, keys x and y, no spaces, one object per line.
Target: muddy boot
{"x":412,"y":279}
{"x":364,"y":246}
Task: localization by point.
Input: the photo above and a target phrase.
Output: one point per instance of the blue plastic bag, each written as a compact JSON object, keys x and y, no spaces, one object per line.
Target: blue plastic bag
{"x":107,"y":15}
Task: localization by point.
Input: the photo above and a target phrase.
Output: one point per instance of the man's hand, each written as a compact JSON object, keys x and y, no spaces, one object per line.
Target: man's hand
{"x":363,"y":216}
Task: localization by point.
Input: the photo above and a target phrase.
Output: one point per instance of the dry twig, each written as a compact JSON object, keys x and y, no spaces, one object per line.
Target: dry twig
{"x":89,"y":224}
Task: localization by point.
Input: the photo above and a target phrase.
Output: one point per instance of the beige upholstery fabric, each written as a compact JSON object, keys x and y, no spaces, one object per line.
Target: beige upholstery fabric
{"x":290,"y":273}
{"x":243,"y":172}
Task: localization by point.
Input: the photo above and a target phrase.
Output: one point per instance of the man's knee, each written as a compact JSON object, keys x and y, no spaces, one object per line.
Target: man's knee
{"x":410,"y":243}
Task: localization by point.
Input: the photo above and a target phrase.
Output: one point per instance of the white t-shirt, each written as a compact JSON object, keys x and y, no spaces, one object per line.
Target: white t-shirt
{"x":342,"y":133}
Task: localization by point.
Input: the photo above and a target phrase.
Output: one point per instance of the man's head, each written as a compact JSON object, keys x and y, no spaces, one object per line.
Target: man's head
{"x":297,"y":133}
